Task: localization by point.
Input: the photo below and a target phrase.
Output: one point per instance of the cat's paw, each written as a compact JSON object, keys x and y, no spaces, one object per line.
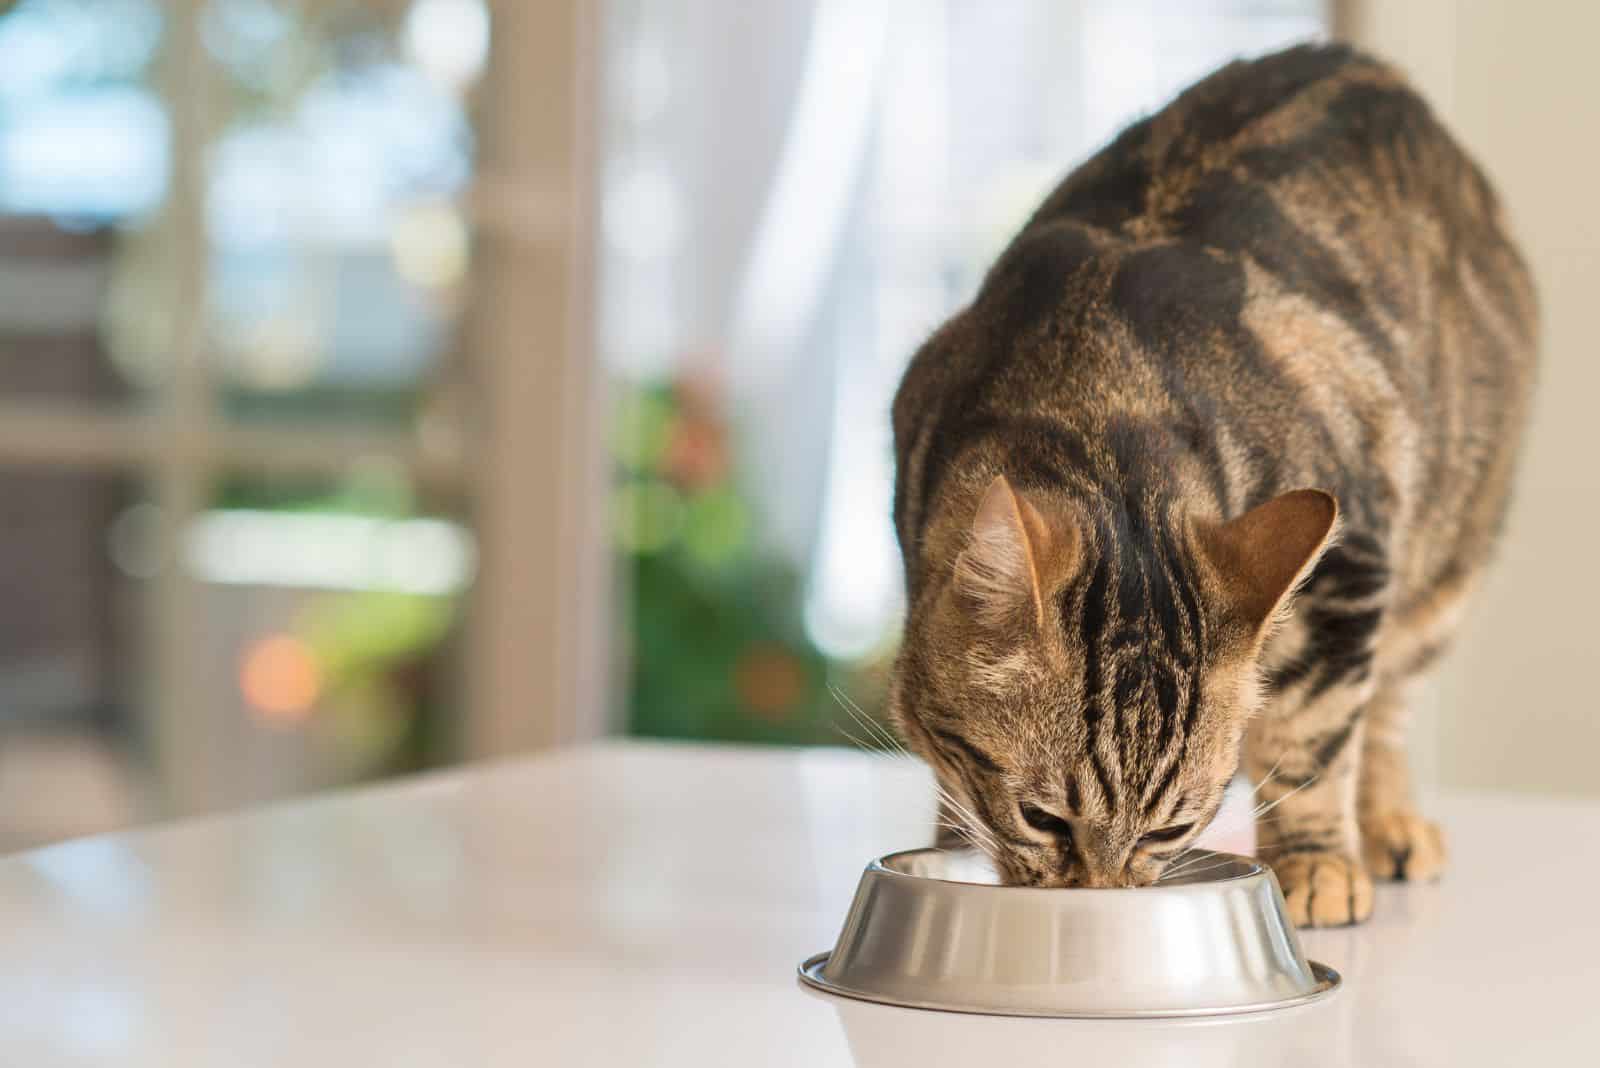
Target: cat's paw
{"x":1324,"y":889}
{"x":1400,"y":844}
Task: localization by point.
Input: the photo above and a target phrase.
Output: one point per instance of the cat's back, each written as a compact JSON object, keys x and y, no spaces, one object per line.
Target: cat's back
{"x":1293,"y":255}
{"x":1310,"y":209}
{"x":1321,"y":168}
{"x":1316,"y":171}
{"x":1310,"y":119}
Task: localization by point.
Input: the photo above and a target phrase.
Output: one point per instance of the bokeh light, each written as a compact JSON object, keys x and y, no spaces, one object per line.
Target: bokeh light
{"x":280,"y":678}
{"x":429,"y":245}
{"x":648,"y":514}
{"x":769,"y":679}
{"x":134,"y":540}
{"x":449,"y":39}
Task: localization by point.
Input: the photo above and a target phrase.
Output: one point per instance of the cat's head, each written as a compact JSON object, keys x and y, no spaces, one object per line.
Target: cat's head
{"x":1081,"y":681}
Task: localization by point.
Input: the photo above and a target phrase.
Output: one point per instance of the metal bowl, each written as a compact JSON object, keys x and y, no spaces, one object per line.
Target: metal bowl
{"x":933,"y":929}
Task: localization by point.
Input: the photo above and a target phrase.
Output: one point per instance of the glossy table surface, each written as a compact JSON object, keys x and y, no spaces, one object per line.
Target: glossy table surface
{"x":632,"y":904}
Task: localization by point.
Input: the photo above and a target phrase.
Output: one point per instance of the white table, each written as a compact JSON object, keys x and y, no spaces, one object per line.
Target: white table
{"x":634,"y":904}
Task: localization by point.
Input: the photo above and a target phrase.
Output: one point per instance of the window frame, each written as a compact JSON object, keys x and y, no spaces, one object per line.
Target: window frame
{"x":533,"y":466}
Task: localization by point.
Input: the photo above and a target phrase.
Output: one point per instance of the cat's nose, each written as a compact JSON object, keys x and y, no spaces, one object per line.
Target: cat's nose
{"x":1107,"y":880}
{"x":1105,"y":875}
{"x":1105,"y":865}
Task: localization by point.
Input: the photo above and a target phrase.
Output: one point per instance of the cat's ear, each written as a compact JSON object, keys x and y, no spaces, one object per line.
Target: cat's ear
{"x":1015,"y":555}
{"x":1263,"y":555}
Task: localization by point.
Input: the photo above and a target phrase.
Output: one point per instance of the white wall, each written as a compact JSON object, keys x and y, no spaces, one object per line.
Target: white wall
{"x":1520,"y":83}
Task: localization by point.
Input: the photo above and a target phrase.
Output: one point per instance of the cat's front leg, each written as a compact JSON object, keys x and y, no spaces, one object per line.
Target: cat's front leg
{"x":1397,"y":841}
{"x":1306,"y":769}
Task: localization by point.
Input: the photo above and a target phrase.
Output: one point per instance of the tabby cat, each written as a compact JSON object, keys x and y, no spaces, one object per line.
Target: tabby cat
{"x":1204,"y":476}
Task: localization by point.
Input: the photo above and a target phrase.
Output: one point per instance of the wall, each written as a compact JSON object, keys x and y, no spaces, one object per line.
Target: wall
{"x":1519,"y":83}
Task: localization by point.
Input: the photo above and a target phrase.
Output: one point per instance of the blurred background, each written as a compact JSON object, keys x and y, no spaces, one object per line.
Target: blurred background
{"x":389,"y":383}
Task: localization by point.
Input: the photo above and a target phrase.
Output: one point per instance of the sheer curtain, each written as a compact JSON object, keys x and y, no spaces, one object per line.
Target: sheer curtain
{"x":797,"y":192}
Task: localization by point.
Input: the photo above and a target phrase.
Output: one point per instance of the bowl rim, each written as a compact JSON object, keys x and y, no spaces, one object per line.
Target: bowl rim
{"x":879,"y":866}
{"x":809,"y":974}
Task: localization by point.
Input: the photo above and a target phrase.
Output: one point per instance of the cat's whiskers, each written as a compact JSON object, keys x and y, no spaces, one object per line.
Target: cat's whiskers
{"x":966,"y":815}
{"x":870,"y":723}
{"x":1271,"y":847}
{"x":1170,"y":874}
{"x":962,"y":812}
{"x":1249,"y":820}
{"x":882,"y":741}
{"x":977,"y":834}
{"x":1234,"y":823}
{"x":1193,"y":862}
{"x":885,"y":742}
{"x":964,"y":832}
{"x":1181,"y":854}
{"x":1191,"y":869}
{"x":1176,"y":867}
{"x":983,"y":843}
{"x":862,"y":743}
{"x":1262,"y":810}
{"x":1268,"y":776}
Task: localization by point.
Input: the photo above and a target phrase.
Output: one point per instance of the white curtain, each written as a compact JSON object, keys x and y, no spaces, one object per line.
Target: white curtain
{"x":799,"y":191}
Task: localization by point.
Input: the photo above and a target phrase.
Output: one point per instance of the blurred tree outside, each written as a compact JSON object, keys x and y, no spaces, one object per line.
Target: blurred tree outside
{"x":719,"y":650}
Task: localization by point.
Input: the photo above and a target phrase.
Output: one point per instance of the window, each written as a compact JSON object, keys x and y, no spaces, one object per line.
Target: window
{"x":258,"y":264}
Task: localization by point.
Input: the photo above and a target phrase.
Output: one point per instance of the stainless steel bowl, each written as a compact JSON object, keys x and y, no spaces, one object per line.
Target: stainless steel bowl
{"x":935,"y":930}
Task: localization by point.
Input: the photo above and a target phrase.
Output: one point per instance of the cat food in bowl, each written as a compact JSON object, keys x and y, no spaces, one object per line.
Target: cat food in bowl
{"x":934,"y":929}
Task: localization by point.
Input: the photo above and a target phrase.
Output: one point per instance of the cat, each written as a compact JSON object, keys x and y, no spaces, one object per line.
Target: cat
{"x":1203,"y":478}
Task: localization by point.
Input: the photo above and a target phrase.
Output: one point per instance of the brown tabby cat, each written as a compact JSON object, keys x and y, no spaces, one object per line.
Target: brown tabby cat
{"x":1272,"y":338}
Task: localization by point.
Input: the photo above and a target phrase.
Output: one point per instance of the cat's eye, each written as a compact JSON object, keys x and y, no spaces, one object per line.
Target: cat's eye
{"x":1048,"y":822}
{"x":1167,"y":834}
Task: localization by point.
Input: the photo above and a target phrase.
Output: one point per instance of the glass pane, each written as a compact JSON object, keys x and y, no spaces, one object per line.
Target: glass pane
{"x":339,"y":240}
{"x":782,"y":226}
{"x":333,"y":619}
{"x":83,"y":175}
{"x":77,"y":552}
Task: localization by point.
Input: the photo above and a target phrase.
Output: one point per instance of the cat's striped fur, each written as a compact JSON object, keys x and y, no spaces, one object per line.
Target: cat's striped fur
{"x":1291,"y":278}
